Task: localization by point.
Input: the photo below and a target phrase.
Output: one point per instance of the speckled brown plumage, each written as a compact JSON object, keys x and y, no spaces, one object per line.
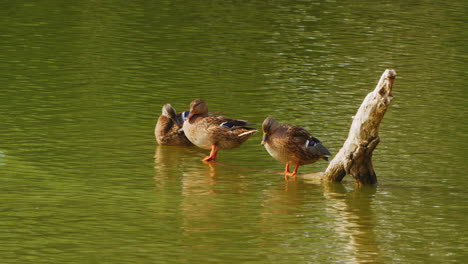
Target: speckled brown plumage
{"x":168,"y":130}
{"x":214,"y":132}
{"x":291,"y":145}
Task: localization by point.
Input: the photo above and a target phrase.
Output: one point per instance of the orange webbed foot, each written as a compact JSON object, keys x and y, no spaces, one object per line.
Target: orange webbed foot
{"x":290,"y":174}
{"x":213,"y":153}
{"x":209,"y":158}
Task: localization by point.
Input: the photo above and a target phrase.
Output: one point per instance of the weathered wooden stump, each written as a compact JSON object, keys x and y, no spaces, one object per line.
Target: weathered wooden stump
{"x":355,"y":157}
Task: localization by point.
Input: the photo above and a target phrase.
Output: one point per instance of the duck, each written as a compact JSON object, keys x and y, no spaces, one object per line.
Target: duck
{"x":168,"y":130}
{"x":214,"y":132}
{"x":291,"y":145}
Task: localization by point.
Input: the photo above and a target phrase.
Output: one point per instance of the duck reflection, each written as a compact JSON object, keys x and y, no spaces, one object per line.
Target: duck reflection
{"x":285,"y":200}
{"x":198,"y":206}
{"x":185,"y":191}
{"x":178,"y":169}
{"x":354,"y":221}
{"x":168,"y":161}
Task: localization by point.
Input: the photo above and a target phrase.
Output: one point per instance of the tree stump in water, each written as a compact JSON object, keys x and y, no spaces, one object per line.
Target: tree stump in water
{"x":355,"y":157}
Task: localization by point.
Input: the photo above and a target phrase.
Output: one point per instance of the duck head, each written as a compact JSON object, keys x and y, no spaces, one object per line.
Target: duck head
{"x":269,"y":126}
{"x":169,"y":112}
{"x":198,"y":107}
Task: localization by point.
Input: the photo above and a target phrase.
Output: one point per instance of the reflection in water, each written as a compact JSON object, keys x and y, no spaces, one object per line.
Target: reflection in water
{"x":288,"y":221}
{"x":169,"y":160}
{"x":350,"y":222}
{"x":354,"y":221}
{"x":201,"y":194}
{"x":281,"y":201}
{"x":197,"y":182}
{"x":2,"y":158}
{"x":197,"y":205}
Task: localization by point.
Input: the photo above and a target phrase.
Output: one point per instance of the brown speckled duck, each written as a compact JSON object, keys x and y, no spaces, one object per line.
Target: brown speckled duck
{"x":168,"y":130}
{"x":214,"y":132}
{"x":291,"y":145}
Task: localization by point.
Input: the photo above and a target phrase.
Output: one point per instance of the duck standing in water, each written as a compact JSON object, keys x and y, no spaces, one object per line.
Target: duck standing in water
{"x":214,"y":132}
{"x":168,"y":130}
{"x":291,"y":145}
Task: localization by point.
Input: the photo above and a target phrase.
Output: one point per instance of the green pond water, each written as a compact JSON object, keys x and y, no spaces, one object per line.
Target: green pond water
{"x":82,"y":179}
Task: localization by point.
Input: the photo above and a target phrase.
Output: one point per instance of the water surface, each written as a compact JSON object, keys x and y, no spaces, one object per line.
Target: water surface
{"x":83,"y":181}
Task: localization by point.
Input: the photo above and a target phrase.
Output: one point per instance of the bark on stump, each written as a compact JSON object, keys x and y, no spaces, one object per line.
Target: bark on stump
{"x":355,"y":157}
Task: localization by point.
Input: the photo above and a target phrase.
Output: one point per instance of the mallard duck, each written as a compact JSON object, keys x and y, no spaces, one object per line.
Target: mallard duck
{"x":168,"y":130}
{"x":214,"y":132}
{"x":291,"y":145}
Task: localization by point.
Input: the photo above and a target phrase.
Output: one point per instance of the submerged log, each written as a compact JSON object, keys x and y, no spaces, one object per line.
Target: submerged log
{"x":355,"y":157}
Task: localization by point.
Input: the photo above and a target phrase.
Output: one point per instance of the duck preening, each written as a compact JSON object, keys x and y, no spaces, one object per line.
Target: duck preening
{"x":291,"y":145}
{"x":214,"y":132}
{"x":168,"y":130}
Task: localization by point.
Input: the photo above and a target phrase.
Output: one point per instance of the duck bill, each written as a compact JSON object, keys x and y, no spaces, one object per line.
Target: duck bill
{"x":264,"y":139}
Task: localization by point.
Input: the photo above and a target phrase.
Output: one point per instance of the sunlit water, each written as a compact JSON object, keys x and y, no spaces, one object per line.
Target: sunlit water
{"x":83,"y":181}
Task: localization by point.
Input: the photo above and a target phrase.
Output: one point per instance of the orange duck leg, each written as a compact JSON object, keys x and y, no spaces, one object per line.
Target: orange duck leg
{"x":213,"y":153}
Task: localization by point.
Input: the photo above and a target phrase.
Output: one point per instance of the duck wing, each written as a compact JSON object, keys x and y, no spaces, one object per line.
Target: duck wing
{"x":314,"y":145}
{"x":310,"y":143}
{"x":233,"y":123}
